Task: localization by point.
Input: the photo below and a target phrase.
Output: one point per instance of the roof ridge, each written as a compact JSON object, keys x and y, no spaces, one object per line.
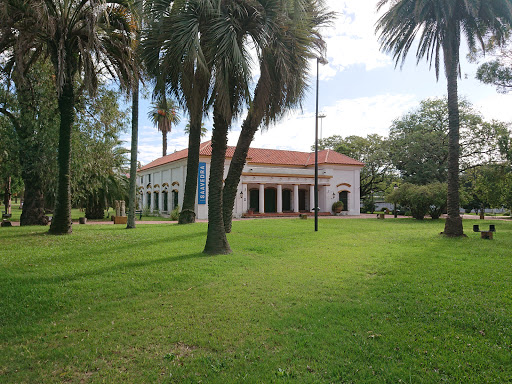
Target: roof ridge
{"x":309,"y":157}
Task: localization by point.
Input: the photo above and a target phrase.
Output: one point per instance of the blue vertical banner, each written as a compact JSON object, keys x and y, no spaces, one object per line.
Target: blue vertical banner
{"x":201,"y":187}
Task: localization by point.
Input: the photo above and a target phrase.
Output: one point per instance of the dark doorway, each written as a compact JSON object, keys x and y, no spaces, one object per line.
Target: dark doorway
{"x":156,"y":201}
{"x":174,"y":199}
{"x":254,"y":200}
{"x":270,"y":200}
{"x":287,"y":200}
{"x":164,"y":197}
{"x":302,"y":200}
{"x":343,"y":197}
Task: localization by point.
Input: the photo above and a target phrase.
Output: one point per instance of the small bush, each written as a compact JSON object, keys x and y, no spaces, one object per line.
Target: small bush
{"x":421,"y":200}
{"x":175,"y":213}
{"x":337,"y":206}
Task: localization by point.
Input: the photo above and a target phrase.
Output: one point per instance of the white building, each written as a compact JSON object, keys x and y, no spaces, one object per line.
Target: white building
{"x":272,"y":182}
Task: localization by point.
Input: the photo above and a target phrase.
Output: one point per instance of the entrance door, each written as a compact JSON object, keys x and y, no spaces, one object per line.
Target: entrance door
{"x":270,"y":200}
{"x":166,"y":204}
{"x":254,"y":200}
{"x":343,"y":197}
{"x":287,"y":200}
{"x":302,"y":200}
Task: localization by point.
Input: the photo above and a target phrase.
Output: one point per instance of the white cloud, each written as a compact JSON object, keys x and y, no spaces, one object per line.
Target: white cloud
{"x":344,"y":117}
{"x":496,"y":107}
{"x":352,"y":41}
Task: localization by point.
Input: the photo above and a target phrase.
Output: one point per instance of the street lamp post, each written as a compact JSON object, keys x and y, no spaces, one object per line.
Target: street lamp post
{"x":319,"y":60}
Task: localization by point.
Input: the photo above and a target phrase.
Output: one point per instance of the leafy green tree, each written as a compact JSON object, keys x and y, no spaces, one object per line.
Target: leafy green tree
{"x":31,"y":108}
{"x":418,"y":142}
{"x":486,"y":186}
{"x":10,"y":169}
{"x":497,"y":72}
{"x":440,"y":25}
{"x":99,"y":162}
{"x":97,"y":36}
{"x":374,"y":151}
{"x":164,"y":114}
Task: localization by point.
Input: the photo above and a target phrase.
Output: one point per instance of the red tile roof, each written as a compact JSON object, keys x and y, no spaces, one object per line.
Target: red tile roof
{"x":265,"y":156}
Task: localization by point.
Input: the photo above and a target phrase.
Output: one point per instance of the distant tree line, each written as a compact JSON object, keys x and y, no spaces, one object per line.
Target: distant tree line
{"x":416,"y":154}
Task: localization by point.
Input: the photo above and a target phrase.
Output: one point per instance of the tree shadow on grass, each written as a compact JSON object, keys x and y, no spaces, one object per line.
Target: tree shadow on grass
{"x":110,"y":269}
{"x":26,"y":300}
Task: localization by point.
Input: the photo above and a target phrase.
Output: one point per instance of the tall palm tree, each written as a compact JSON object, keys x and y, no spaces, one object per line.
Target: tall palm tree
{"x":440,"y":25}
{"x":80,"y":37}
{"x":204,"y":130}
{"x":229,"y":31}
{"x":174,"y":46}
{"x":283,"y":80}
{"x":164,"y":114}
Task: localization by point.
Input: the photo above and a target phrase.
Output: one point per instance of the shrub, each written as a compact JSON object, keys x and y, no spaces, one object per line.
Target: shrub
{"x":175,"y":213}
{"x":421,"y":199}
{"x":337,"y":206}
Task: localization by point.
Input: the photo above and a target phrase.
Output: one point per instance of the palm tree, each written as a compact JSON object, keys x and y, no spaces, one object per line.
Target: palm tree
{"x":228,"y":37}
{"x":440,"y":25}
{"x":163,"y":115}
{"x":204,"y":130}
{"x":79,"y":36}
{"x":283,"y":80}
{"x":174,"y":47}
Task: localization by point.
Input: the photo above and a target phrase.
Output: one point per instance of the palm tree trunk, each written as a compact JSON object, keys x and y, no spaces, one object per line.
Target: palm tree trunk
{"x":61,"y":222}
{"x":164,"y":142}
{"x":187,"y":214}
{"x":249,"y":128}
{"x":132,"y":194}
{"x":453,"y":225}
{"x":216,"y":241}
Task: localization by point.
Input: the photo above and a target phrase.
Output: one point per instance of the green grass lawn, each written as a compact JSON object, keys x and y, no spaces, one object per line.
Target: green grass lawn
{"x":360,"y":301}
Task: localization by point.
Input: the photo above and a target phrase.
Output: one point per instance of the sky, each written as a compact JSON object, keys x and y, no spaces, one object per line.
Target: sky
{"x":360,"y":91}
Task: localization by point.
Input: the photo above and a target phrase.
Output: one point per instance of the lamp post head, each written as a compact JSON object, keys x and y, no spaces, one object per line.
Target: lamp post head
{"x":322,"y":60}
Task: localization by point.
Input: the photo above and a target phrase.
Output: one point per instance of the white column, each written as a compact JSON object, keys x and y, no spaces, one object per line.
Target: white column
{"x":295,"y":198}
{"x":245,"y":200}
{"x":262,"y":198}
{"x":279,"y":198}
{"x":312,"y":198}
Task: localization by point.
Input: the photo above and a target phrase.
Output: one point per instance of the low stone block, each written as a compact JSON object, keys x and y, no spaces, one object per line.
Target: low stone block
{"x":486,"y":235}
{"x":120,"y":219}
